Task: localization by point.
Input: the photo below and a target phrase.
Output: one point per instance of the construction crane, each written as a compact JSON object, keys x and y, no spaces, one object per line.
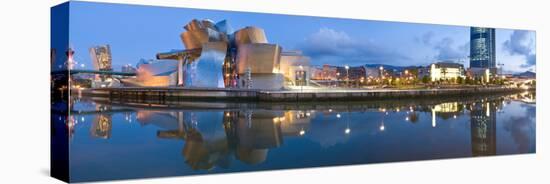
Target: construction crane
{"x":499,"y":68}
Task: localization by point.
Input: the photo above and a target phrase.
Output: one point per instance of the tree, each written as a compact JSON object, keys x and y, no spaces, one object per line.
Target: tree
{"x":393,"y":81}
{"x":425,"y":79}
{"x":459,"y":80}
{"x":469,"y":81}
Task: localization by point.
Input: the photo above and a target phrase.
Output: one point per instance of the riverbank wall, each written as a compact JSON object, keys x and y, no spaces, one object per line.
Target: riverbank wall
{"x":161,"y":94}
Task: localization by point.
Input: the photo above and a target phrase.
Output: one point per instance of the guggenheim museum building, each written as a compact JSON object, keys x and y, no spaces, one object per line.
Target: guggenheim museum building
{"x":215,"y":56}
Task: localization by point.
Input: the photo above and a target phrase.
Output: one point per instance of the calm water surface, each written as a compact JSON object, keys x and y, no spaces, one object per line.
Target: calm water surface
{"x":109,"y":141}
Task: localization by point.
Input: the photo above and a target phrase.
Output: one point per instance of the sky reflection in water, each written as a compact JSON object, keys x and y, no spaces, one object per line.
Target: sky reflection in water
{"x":118,"y":142}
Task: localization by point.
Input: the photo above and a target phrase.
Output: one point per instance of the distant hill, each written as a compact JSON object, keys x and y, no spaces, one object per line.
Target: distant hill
{"x":389,"y":67}
{"x":527,"y":74}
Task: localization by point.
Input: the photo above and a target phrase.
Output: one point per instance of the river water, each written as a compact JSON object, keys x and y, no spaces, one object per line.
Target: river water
{"x":122,"y":141}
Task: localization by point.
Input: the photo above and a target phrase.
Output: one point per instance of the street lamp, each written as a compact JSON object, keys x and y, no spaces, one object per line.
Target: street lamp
{"x":302,"y":78}
{"x":381,"y":73}
{"x":337,"y":79}
{"x":347,"y":75}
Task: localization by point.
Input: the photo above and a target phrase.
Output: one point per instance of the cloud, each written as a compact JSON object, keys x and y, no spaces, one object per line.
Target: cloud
{"x":328,"y":46}
{"x":446,"y":49}
{"x":531,"y":61}
{"x":521,"y":128}
{"x":522,"y":43}
{"x":426,"y":38}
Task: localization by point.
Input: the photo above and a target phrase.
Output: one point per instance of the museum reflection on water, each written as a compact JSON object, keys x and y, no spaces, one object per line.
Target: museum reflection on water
{"x":213,"y":137}
{"x":245,"y":135}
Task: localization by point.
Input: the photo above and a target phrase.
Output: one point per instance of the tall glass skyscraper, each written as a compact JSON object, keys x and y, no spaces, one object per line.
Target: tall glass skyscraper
{"x":482,"y":47}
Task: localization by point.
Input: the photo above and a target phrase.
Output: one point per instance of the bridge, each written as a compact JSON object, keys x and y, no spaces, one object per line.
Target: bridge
{"x":71,"y":72}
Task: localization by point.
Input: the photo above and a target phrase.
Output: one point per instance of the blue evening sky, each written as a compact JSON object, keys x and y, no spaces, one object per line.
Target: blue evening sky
{"x":136,"y":32}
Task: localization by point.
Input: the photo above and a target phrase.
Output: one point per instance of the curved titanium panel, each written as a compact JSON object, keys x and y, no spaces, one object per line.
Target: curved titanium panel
{"x":224,"y":27}
{"x":249,"y":35}
{"x":160,"y":73}
{"x":206,"y":71}
{"x":260,"y":57}
{"x":193,"y":25}
{"x":194,"y":39}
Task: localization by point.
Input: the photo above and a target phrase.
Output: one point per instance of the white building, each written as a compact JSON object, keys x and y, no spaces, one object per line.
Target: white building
{"x":446,"y":71}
